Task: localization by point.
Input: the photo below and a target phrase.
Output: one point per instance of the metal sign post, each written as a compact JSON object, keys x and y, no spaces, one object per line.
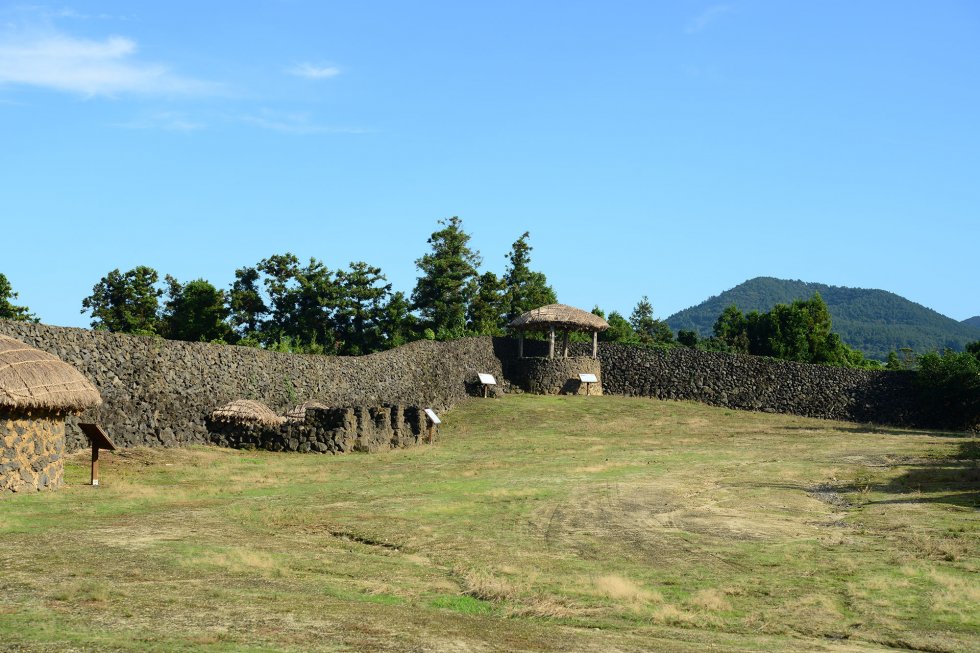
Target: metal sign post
{"x":99,"y":440}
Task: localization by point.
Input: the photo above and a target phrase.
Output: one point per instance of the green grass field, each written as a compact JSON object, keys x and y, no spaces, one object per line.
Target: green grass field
{"x":534,"y":523}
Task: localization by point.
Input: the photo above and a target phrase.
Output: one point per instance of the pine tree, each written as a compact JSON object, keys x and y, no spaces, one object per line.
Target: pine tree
{"x":443,"y":293}
{"x":126,"y":303}
{"x":525,"y":288}
{"x":10,"y":311}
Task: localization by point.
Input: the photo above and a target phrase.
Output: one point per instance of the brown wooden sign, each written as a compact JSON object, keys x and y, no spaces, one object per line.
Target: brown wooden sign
{"x":99,"y":440}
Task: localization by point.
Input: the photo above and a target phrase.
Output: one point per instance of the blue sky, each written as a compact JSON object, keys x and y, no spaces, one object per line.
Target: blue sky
{"x":670,"y":149}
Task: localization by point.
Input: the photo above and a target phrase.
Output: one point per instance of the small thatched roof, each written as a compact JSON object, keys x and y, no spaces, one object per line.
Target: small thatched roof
{"x":298,"y":413}
{"x":31,"y":379}
{"x":246,"y":411}
{"x":559,"y":316}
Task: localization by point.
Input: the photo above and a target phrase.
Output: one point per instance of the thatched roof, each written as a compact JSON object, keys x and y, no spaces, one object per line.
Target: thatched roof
{"x":246,"y":411}
{"x":31,"y":379}
{"x":298,"y":413}
{"x":560,"y":316}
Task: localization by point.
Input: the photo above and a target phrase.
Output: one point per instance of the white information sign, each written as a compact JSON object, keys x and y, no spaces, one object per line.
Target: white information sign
{"x":487,"y":379}
{"x":588,"y":378}
{"x":432,"y":415}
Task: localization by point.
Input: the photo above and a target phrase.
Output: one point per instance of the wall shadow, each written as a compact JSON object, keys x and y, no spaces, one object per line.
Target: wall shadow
{"x":955,"y":480}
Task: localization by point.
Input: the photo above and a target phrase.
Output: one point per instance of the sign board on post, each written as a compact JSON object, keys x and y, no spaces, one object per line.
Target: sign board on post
{"x":487,"y":380}
{"x":587,"y":379}
{"x":99,"y":440}
{"x":433,"y":422}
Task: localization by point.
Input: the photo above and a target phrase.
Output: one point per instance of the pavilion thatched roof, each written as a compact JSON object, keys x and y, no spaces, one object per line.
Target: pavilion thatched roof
{"x":559,"y":316}
{"x":247,"y":411}
{"x":31,"y":379}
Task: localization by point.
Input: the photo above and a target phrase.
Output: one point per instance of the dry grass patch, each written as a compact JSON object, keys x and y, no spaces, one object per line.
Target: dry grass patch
{"x":619,"y":588}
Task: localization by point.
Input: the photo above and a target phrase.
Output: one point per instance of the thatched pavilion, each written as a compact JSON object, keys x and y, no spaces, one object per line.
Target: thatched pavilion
{"x":37,"y":391}
{"x":558,"y":317}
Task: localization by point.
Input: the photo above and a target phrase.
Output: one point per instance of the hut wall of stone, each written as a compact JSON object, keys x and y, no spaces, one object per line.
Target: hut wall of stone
{"x":31,"y":449}
{"x":554,"y":376}
{"x":159,"y":392}
{"x":330,"y":430}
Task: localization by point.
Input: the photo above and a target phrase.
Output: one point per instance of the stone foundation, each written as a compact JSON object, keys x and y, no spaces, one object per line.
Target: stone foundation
{"x":554,"y":376}
{"x":330,"y":430}
{"x":31,"y":448}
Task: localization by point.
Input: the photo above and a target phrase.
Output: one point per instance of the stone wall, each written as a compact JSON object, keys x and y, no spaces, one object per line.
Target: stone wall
{"x":159,"y":392}
{"x":761,"y":384}
{"x":552,"y":376}
{"x":31,"y":448}
{"x":331,"y":430}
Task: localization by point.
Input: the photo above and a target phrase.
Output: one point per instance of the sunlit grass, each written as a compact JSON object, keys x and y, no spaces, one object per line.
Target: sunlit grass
{"x":534,"y":523}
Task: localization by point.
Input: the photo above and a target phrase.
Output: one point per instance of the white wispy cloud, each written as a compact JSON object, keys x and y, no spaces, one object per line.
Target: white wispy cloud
{"x":311,"y":71}
{"x":108,"y":67}
{"x":300,"y":123}
{"x":166,"y":120}
{"x":706,"y":17}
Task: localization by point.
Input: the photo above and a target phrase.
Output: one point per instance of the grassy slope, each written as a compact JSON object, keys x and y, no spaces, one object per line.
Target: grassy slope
{"x":535,"y":523}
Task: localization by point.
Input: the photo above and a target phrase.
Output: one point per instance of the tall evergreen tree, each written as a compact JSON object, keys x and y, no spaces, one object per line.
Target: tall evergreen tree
{"x":486,"y":310}
{"x":443,"y":292}
{"x":731,"y":328}
{"x":525,"y":288}
{"x":360,"y":308}
{"x":195,"y":311}
{"x":649,"y":329}
{"x":125,"y":302}
{"x":246,"y":303}
{"x":10,"y":311}
{"x":303,"y":300}
{"x":397,"y":324}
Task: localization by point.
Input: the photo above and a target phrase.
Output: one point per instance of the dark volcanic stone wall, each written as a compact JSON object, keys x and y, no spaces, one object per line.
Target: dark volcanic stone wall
{"x":331,"y":430}
{"x":552,"y":376}
{"x":762,"y":384}
{"x":159,"y":392}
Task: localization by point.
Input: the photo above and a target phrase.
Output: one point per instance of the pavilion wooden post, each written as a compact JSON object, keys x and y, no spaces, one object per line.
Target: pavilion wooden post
{"x":595,"y":344}
{"x":564,"y":344}
{"x":551,"y":342}
{"x":520,"y":343}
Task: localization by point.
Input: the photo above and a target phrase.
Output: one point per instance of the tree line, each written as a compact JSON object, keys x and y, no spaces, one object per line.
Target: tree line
{"x":285,"y":304}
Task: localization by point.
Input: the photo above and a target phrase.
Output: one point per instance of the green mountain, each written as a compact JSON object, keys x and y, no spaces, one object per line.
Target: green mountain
{"x":972,"y":321}
{"x":872,"y":321}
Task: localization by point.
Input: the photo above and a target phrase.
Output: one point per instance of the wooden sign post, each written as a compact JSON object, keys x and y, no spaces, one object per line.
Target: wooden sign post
{"x":433,"y":422}
{"x":99,"y":440}
{"x":487,"y":380}
{"x":587,"y":379}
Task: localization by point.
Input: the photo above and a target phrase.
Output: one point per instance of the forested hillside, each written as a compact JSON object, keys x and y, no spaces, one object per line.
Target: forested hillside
{"x":972,"y":321}
{"x":872,"y":321}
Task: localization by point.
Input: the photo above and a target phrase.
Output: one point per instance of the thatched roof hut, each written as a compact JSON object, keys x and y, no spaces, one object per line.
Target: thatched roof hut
{"x":31,"y":379}
{"x":298,"y":413}
{"x":246,"y":411}
{"x":562,"y":317}
{"x":559,"y":316}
